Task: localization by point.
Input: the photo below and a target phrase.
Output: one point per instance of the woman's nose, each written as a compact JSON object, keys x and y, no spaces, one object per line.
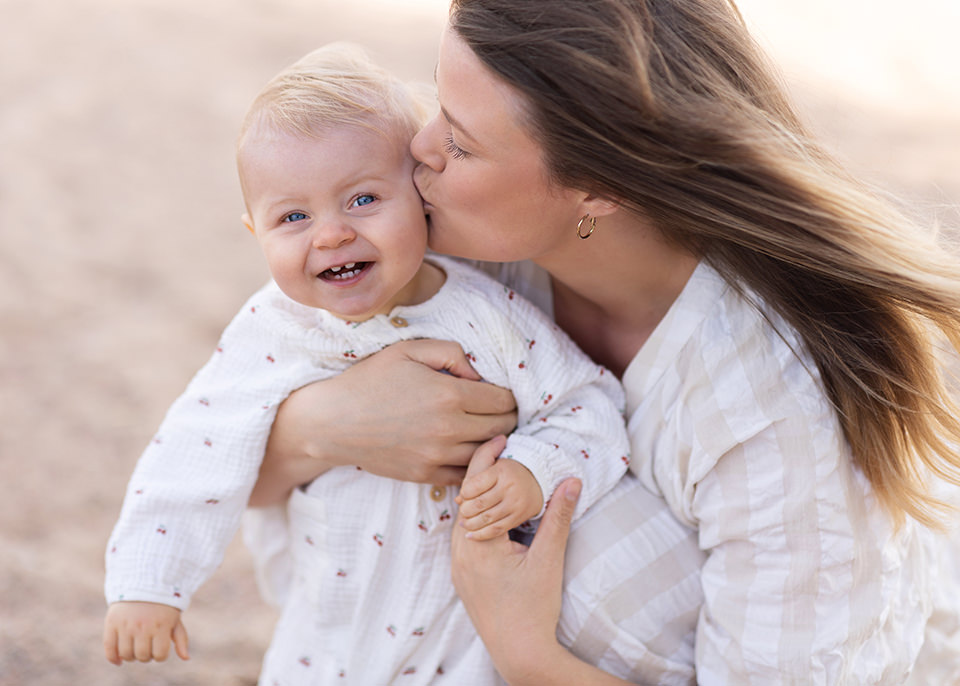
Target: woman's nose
{"x":427,"y":146}
{"x":331,"y":234}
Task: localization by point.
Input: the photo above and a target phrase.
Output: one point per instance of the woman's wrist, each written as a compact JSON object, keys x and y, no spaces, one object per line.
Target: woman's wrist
{"x":297,"y":434}
{"x":535,"y":665}
{"x":293,"y":454}
{"x":554,"y":665}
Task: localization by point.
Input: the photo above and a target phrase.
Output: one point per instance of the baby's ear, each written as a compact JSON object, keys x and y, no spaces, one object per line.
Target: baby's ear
{"x":245,"y":218}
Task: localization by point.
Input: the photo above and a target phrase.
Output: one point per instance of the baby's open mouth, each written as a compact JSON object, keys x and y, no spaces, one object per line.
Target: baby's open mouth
{"x":344,"y":271}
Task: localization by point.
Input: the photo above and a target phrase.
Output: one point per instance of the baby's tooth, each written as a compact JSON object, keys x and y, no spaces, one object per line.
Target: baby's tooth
{"x":335,"y":269}
{"x":349,"y":265}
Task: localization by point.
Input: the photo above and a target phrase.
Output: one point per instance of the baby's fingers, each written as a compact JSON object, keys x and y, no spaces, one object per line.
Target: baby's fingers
{"x":143,"y":647}
{"x":491,"y":523}
{"x":160,"y":647}
{"x":125,"y":647}
{"x":475,"y":507}
{"x":110,"y":649}
{"x":180,"y":641}
{"x":477,"y":484}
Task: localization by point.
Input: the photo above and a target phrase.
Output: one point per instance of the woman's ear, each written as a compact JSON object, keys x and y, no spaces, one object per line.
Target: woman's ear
{"x":245,"y":218}
{"x":599,"y":206}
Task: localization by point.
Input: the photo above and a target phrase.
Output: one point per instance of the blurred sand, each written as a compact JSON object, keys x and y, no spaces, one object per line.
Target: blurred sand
{"x":122,"y":256}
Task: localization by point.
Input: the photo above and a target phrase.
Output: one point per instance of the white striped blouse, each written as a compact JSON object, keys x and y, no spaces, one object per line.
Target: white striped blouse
{"x":778,"y":565}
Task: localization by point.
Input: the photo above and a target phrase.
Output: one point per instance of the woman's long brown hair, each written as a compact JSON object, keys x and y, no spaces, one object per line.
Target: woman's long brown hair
{"x":669,"y":107}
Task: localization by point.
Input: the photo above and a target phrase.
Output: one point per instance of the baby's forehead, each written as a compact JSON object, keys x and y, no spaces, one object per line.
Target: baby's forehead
{"x":271,"y":130}
{"x":271,"y":149}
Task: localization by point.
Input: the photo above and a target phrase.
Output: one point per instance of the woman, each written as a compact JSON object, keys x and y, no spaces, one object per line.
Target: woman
{"x":775,"y":326}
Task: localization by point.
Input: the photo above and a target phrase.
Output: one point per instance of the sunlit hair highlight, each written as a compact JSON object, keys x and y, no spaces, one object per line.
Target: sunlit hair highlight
{"x":336,"y":85}
{"x":669,"y":107}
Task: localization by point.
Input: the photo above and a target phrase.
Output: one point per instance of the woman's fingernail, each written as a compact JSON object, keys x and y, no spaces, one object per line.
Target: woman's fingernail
{"x":572,"y":492}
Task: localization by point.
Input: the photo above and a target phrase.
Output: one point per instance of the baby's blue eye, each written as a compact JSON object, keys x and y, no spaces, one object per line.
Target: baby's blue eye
{"x":364,"y":199}
{"x":295,"y":217}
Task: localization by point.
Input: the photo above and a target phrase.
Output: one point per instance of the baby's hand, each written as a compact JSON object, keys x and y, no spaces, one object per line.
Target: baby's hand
{"x":143,"y":631}
{"x":498,"y":498}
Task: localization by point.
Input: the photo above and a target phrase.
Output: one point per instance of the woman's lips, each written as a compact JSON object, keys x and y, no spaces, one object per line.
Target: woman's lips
{"x":426,"y":203}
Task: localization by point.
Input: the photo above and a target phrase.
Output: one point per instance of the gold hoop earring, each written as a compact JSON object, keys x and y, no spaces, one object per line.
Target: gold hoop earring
{"x":593,"y":226}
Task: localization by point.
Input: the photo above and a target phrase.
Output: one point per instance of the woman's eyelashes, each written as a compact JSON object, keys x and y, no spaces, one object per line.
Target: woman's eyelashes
{"x":454,"y":150}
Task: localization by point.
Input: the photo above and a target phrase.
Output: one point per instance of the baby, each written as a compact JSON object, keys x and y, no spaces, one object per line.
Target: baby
{"x":326,"y":174}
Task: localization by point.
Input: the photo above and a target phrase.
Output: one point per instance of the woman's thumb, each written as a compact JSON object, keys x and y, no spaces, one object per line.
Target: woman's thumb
{"x":555,"y":525}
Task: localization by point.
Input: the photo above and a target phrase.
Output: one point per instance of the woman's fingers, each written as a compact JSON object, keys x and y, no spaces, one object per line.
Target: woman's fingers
{"x":444,"y":356}
{"x":447,"y":356}
{"x":486,"y":399}
{"x":392,"y":414}
{"x":448,"y":476}
{"x":550,"y":542}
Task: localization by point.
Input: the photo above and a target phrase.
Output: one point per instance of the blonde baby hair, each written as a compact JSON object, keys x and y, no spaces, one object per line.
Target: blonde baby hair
{"x":336,"y":85}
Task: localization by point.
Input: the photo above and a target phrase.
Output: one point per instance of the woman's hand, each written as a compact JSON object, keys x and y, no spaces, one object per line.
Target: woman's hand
{"x":511,"y":592}
{"x":391,"y":414}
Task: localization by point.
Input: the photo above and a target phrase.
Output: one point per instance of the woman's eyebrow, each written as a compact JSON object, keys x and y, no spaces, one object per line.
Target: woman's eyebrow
{"x":457,"y":125}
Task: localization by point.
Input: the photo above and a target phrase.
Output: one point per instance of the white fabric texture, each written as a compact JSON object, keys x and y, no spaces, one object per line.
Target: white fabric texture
{"x":368,"y":598}
{"x":803,"y":579}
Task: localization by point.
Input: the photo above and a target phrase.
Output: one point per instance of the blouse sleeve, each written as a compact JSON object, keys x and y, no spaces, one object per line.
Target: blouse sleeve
{"x":805,"y":580}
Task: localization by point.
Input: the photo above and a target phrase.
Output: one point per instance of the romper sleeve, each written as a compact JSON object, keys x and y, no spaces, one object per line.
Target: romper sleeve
{"x":186,"y":496}
{"x":570,"y":410}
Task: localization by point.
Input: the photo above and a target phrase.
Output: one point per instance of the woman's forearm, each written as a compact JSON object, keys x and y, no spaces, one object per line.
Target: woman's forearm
{"x":302,"y":441}
{"x":393,"y":414}
{"x":291,"y":457}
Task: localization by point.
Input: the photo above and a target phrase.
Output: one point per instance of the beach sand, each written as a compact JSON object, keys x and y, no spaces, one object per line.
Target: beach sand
{"x":122,"y":256}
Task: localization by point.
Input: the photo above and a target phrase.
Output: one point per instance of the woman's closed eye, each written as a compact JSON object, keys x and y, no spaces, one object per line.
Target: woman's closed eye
{"x":453,"y":149}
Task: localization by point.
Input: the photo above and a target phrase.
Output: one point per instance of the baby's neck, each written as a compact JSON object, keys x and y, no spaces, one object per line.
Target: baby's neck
{"x":425,"y":284}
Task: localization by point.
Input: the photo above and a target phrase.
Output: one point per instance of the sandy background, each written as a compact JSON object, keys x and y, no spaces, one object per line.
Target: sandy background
{"x":122,"y":257}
